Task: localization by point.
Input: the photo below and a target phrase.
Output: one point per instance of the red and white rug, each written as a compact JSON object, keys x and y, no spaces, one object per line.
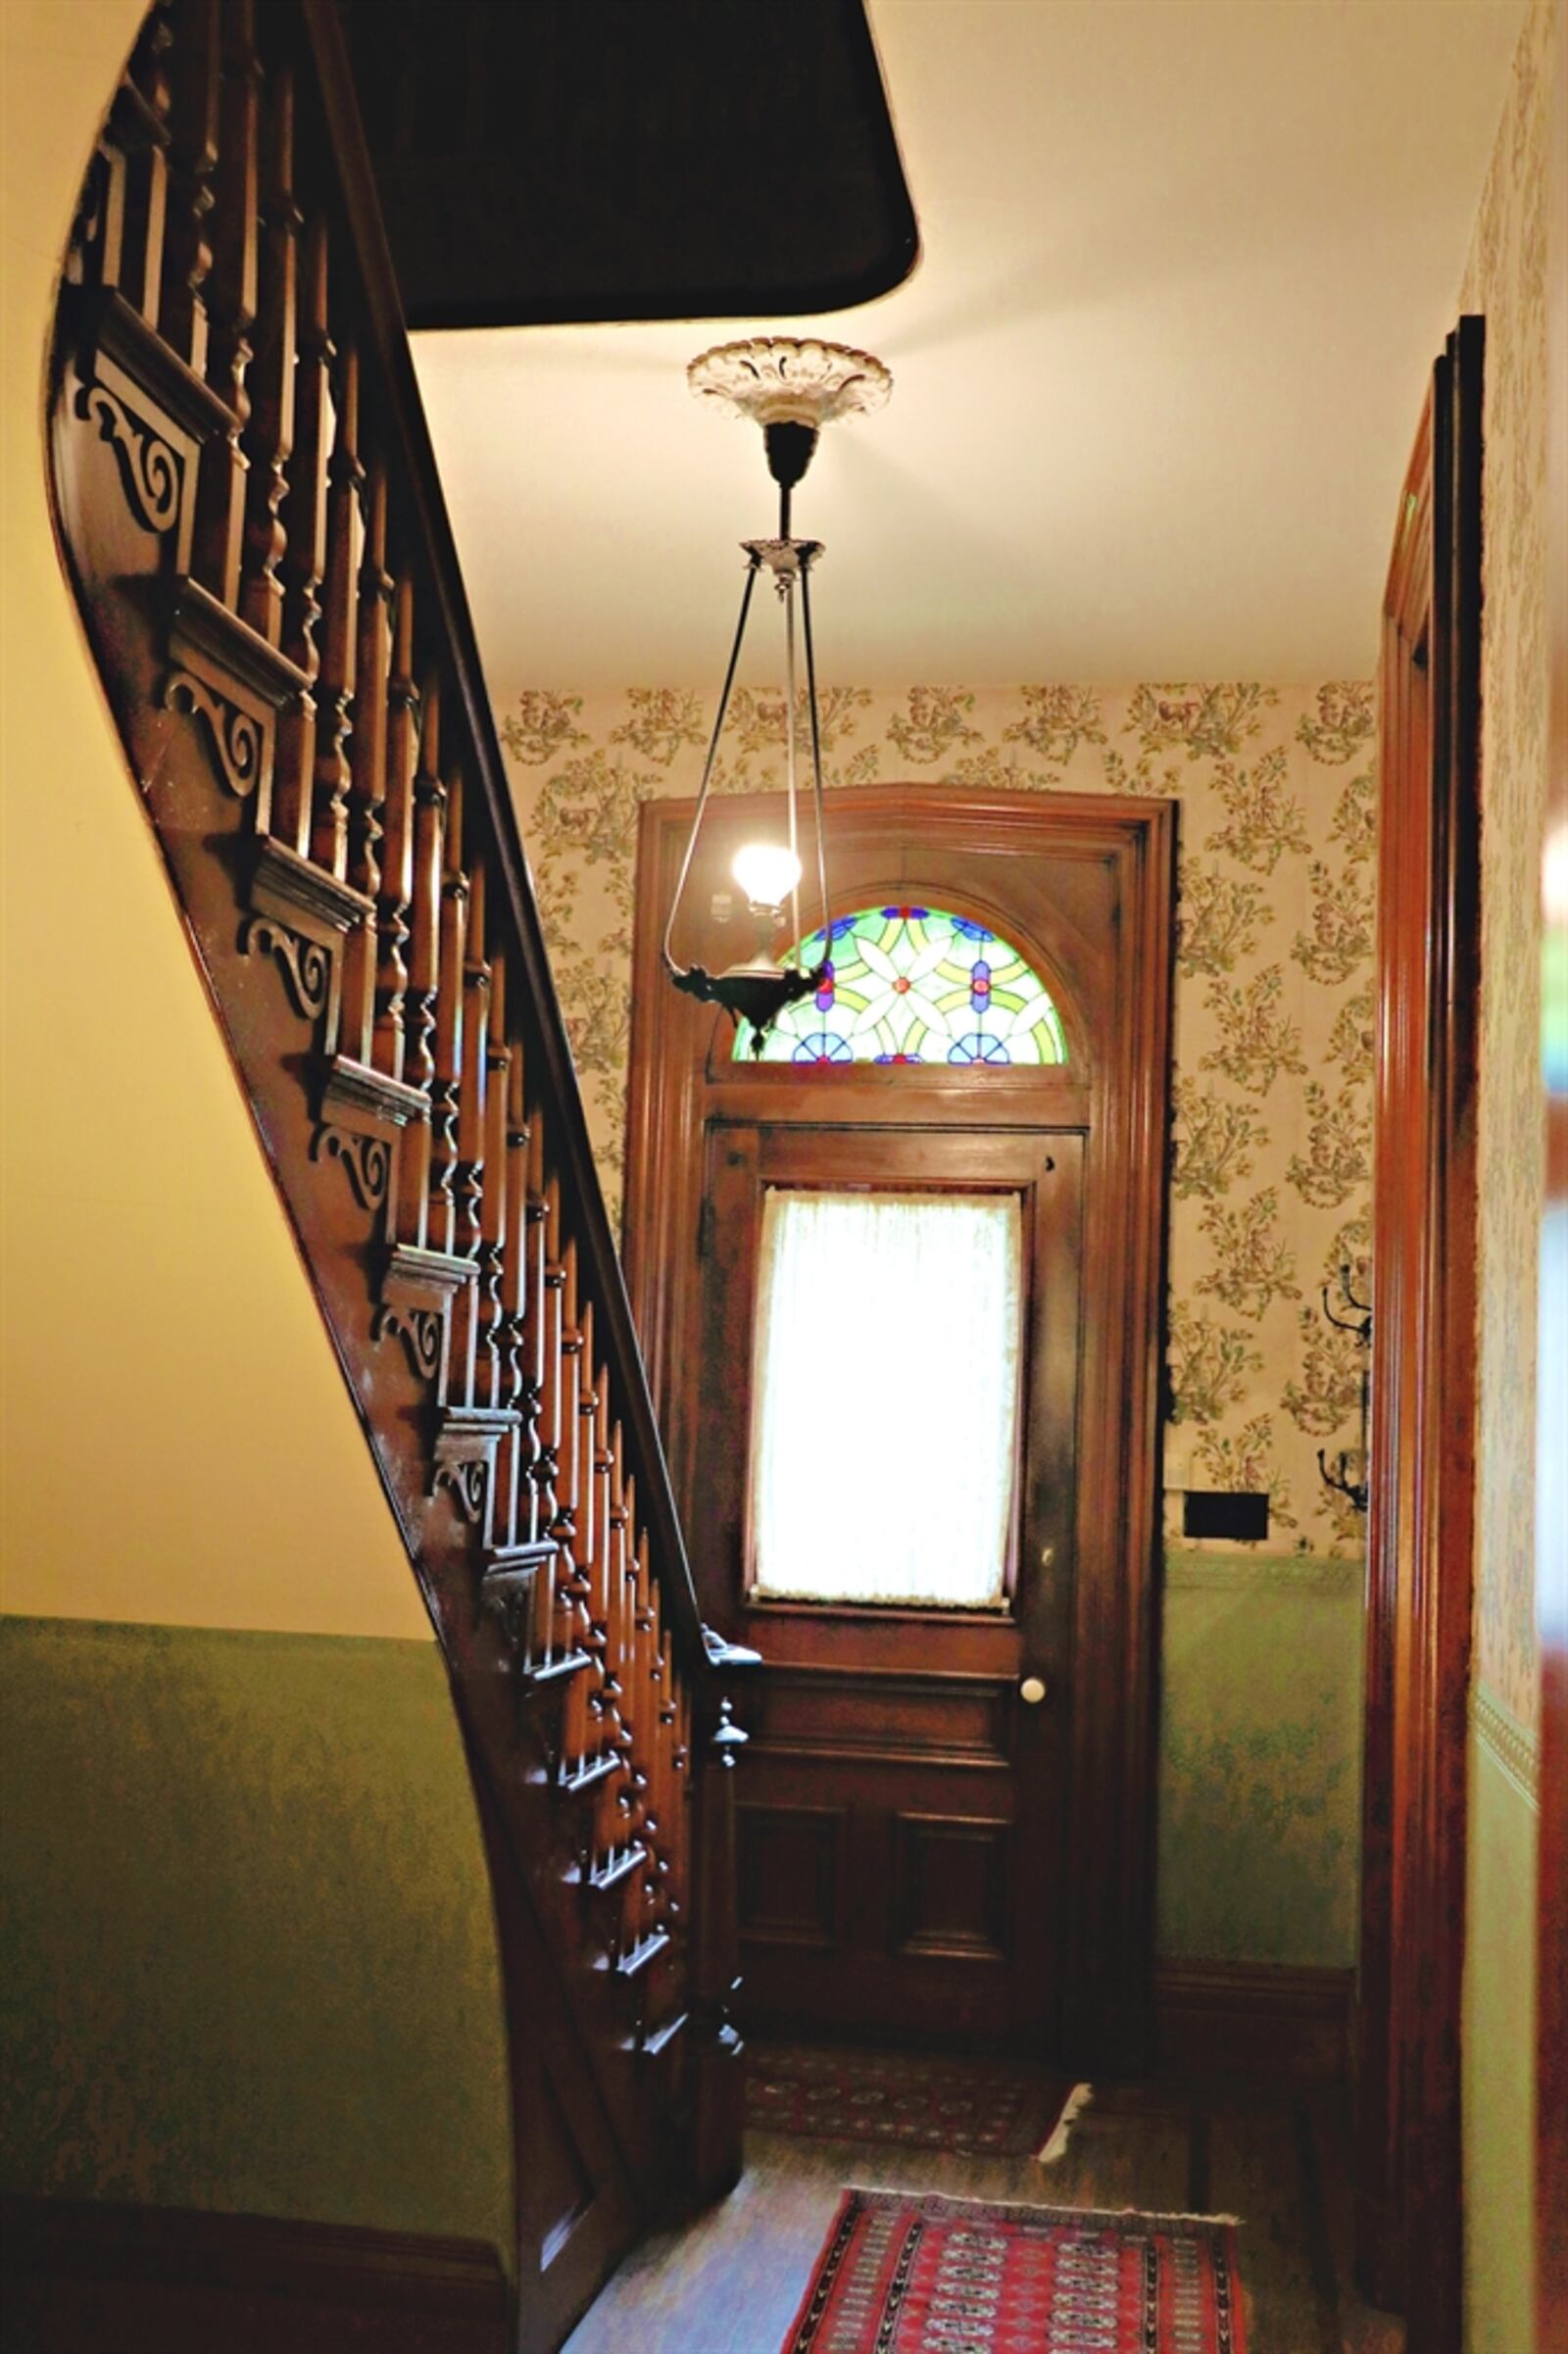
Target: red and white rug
{"x":910,"y":2100}
{"x":908,"y":2275}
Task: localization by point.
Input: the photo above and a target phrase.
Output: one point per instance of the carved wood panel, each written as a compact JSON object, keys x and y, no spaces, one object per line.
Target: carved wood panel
{"x":792,"y":1873}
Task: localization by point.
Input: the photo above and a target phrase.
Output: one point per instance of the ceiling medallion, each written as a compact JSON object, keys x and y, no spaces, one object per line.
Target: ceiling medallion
{"x":779,"y":379}
{"x":791,"y":389}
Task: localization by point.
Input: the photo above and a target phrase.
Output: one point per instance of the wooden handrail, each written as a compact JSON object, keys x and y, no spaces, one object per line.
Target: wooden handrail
{"x":254,"y":522}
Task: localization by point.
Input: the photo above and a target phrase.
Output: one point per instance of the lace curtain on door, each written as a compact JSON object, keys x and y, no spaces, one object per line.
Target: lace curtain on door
{"x":885,"y":1397}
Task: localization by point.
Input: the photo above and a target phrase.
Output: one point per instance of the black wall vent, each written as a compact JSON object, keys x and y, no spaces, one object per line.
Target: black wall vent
{"x":1218,"y":1512}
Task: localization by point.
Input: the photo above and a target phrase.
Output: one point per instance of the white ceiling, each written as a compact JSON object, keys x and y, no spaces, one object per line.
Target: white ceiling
{"x":1185,"y":267}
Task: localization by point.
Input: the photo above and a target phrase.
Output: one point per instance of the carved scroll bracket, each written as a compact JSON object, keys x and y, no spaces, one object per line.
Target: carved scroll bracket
{"x":466,"y":1440}
{"x":151,"y":472}
{"x":366,"y":1160}
{"x":360,"y":1117}
{"x":222,"y":672}
{"x":467,"y":1480}
{"x":415,"y":1306}
{"x":304,"y":964}
{"x":302,"y":913}
{"x":153,"y":411}
{"x":421,"y":1330}
{"x":240,"y":743}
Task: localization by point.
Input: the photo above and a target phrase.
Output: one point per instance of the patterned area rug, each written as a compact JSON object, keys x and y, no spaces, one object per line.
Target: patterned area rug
{"x":909,"y":2276}
{"x":975,"y":2108}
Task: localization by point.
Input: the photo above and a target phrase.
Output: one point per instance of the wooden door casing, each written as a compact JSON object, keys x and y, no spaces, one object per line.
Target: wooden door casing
{"x":1084,"y":886}
{"x":1421,"y":1532}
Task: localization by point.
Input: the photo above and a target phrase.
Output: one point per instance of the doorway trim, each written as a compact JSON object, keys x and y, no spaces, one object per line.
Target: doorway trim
{"x":1106,"y":1958}
{"x":1421,"y":1537}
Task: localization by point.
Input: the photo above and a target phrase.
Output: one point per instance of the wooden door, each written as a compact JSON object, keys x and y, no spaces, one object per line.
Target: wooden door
{"x":901,"y":1826}
{"x":923,"y":1850}
{"x":1421,"y":1532}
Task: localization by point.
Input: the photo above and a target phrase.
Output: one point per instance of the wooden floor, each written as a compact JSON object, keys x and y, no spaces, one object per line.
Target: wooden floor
{"x":730,"y":2282}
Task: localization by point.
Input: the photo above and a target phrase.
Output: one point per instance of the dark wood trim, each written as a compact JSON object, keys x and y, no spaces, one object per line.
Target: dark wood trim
{"x":87,"y":2279}
{"x":1422,"y":1526}
{"x":1551,"y":1531}
{"x":1256,"y":2019}
{"x":1119,"y":1031}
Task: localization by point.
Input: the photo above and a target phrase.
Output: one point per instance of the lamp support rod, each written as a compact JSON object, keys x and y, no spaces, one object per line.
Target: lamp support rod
{"x":752,"y":569}
{"x":816,"y":756}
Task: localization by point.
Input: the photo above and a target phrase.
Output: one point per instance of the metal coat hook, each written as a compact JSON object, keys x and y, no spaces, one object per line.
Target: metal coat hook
{"x":1359,"y":1321}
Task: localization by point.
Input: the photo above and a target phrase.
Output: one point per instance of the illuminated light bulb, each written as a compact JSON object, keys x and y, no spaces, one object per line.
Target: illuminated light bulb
{"x":766,"y":873}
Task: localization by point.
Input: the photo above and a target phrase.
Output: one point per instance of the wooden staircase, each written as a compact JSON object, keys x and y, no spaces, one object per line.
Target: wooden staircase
{"x":256,"y":538}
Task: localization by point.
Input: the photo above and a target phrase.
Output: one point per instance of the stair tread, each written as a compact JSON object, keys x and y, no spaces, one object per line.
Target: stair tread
{"x":643,"y":1956}
{"x":605,"y":1877}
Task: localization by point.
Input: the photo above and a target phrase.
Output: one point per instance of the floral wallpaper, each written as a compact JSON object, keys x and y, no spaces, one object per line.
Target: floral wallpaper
{"x":1507,"y":280}
{"x":1273,"y":1013}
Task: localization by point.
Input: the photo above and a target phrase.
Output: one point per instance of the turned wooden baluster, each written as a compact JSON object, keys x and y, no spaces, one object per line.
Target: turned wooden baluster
{"x":662,"y":1881}
{"x":128,"y":187}
{"x":267,"y":439}
{"x":368,"y":755}
{"x":682,"y":1806}
{"x":389,"y":1051}
{"x":469,"y":1176}
{"x":446,"y":1086}
{"x":514,"y":1212}
{"x":589,"y":1550}
{"x":717,"y":2051}
{"x":613,"y":1742}
{"x":303,"y":557}
{"x":574,"y":1515}
{"x":631,"y":1796}
{"x":496,"y":1377}
{"x":648,"y":1732}
{"x":584,"y":1484}
{"x":230,"y":295}
{"x":339,"y":622}
{"x":424,"y":952}
{"x":193,"y":155}
{"x":546,"y":1316}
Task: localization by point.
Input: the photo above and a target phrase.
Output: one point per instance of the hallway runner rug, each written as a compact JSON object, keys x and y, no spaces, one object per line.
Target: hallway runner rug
{"x":910,"y":2100}
{"x":903,"y":2275}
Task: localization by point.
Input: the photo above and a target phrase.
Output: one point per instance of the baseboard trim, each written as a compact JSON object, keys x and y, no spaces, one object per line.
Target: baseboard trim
{"x":1258,"y":2018}
{"x":81,"y":2278}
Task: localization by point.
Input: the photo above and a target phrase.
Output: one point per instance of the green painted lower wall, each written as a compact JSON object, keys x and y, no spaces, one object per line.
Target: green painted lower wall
{"x":1499,"y":2040}
{"x":248,"y":1959}
{"x":1260,"y":1765}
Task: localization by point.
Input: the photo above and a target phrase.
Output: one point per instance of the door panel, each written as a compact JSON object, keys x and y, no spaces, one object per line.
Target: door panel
{"x":903,"y":1827}
{"x":793,"y":1881}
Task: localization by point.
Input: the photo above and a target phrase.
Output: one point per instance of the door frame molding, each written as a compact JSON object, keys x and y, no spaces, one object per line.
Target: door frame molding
{"x":1421,"y":1537}
{"x":1107,"y":1931}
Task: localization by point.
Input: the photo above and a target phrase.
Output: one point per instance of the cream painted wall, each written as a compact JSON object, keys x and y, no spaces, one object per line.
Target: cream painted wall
{"x":177,"y":1441}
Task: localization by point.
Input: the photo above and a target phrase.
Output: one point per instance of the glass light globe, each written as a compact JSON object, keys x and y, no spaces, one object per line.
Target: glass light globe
{"x":766,"y":872}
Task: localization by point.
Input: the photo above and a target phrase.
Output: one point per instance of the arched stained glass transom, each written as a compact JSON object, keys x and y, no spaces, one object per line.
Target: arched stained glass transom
{"x":914,"y":985}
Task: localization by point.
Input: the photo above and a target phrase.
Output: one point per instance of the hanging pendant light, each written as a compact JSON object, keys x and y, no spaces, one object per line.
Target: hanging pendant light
{"x":792,"y":389}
